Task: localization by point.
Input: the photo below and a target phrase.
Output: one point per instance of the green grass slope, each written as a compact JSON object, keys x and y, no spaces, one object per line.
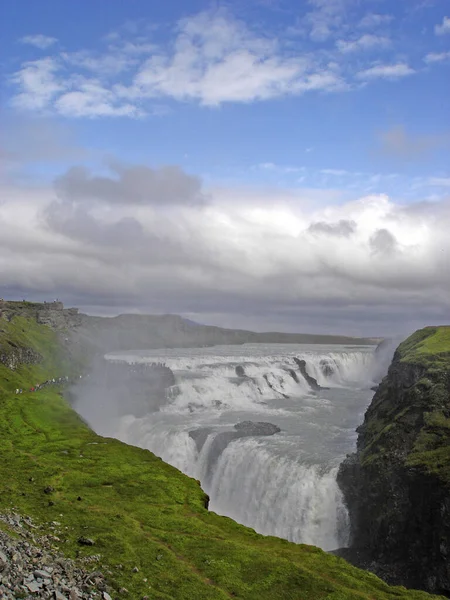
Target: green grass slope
{"x":139,"y":511}
{"x":429,"y":349}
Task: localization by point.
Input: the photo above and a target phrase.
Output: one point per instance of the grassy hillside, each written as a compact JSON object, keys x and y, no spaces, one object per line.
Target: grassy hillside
{"x":139,"y":511}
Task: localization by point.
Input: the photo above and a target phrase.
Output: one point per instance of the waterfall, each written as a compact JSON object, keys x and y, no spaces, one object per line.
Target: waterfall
{"x":282,"y":484}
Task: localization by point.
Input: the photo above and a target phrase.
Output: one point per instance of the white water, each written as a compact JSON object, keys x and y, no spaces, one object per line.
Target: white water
{"x":284,"y":484}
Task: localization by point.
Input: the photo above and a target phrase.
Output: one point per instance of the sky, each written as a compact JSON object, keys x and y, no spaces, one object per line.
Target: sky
{"x":259,"y":164}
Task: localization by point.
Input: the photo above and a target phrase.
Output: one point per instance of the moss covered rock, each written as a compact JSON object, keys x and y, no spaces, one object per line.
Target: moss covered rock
{"x":397,"y":485}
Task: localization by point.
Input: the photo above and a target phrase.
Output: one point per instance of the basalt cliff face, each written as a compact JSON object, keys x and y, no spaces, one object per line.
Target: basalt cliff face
{"x":397,"y":484}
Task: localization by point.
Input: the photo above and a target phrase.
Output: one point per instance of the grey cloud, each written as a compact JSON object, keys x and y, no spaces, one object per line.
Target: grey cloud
{"x":165,"y":186}
{"x":383,"y":242}
{"x":342,"y":228}
{"x":76,"y":223}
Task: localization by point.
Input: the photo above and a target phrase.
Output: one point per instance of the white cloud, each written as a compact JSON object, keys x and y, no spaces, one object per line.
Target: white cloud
{"x":325,"y":18}
{"x":39,"y":83}
{"x":372,"y":20}
{"x":434,"y":57}
{"x":39,"y":40}
{"x":395,"y":71}
{"x":211,"y":59}
{"x":444,"y":28}
{"x":216,"y":59}
{"x":365,"y":42}
{"x":93,"y":100}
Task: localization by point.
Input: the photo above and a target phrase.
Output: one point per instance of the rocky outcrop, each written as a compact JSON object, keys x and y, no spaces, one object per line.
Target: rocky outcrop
{"x":327,"y":367}
{"x":258,"y":428}
{"x":397,"y":485}
{"x":12,"y":356}
{"x":30,"y":567}
{"x":52,"y":314}
{"x":309,"y":380}
{"x":223,"y":438}
{"x":240,"y":371}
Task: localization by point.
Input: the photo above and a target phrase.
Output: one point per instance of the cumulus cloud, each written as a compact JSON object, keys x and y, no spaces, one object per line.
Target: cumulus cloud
{"x":444,"y":27}
{"x":39,"y":41}
{"x":143,"y":238}
{"x":38,"y":82}
{"x":210,"y":58}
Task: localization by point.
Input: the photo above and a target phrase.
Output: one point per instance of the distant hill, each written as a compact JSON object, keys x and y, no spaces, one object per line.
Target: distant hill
{"x":134,"y":332}
{"x":138,"y":332}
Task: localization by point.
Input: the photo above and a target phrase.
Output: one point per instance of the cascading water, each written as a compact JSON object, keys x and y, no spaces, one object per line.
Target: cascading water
{"x":282,"y":484}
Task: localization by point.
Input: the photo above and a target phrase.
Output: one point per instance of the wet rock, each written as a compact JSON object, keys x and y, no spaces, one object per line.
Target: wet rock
{"x":240,"y":371}
{"x":294,"y":375}
{"x":242,"y":429}
{"x":326,"y":367}
{"x":256,"y":428}
{"x":266,"y":377}
{"x":200,"y":436}
{"x":309,"y":380}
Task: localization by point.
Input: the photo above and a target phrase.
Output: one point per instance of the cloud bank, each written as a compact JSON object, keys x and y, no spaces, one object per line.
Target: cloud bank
{"x":154,"y":239}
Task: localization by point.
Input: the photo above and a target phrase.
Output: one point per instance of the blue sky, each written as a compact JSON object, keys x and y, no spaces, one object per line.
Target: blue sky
{"x":315,"y":103}
{"x":340,"y":87}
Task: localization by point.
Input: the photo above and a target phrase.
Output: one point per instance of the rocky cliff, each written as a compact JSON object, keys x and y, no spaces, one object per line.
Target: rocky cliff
{"x":52,"y":314}
{"x":397,"y":485}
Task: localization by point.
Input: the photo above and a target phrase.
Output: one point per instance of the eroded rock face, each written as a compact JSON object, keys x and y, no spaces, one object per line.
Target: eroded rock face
{"x":326,"y":367}
{"x":310,"y":380}
{"x":256,"y":428}
{"x":223,"y":438}
{"x":240,"y":371}
{"x":396,"y":486}
{"x":200,"y":436}
{"x":14,"y":356}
